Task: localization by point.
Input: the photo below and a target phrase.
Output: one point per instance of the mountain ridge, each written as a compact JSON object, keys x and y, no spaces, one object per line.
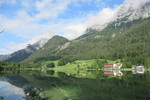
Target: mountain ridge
{"x":26,"y":52}
{"x":49,"y":50}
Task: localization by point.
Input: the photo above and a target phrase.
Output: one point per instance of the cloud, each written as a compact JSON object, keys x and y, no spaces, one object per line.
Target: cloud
{"x":49,"y":8}
{"x":73,"y":31}
{"x":7,"y":2}
{"x":103,"y":17}
{"x":100,"y":19}
{"x":135,"y":3}
{"x":35,"y":19}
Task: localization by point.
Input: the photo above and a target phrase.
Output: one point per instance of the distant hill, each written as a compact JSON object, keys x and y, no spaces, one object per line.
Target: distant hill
{"x":24,"y":53}
{"x":49,"y":50}
{"x":3,"y":57}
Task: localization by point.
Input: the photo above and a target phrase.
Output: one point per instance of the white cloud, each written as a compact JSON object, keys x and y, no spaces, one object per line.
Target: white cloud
{"x":7,"y":2}
{"x":49,"y":8}
{"x":135,"y":3}
{"x":77,"y":28}
{"x":28,"y":26}
{"x":74,"y":30}
{"x":102,"y":17}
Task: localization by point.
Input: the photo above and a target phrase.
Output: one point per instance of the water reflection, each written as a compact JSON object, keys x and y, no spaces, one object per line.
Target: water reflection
{"x":90,"y":85}
{"x":10,"y":92}
{"x":16,"y":87}
{"x":113,"y":73}
{"x":138,"y":71}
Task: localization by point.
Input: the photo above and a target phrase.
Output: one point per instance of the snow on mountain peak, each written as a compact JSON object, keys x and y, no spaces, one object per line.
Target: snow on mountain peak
{"x":134,"y":9}
{"x":130,"y":10}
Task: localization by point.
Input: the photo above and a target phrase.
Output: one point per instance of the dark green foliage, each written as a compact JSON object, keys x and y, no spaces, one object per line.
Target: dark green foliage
{"x":51,"y":72}
{"x":99,"y":63}
{"x":9,"y":66}
{"x":127,"y":65}
{"x":50,"y":65}
{"x":62,"y":62}
{"x":147,"y":62}
{"x":46,"y":58}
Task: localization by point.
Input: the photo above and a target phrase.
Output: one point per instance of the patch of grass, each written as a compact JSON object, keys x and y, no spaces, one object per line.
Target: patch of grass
{"x":81,"y":65}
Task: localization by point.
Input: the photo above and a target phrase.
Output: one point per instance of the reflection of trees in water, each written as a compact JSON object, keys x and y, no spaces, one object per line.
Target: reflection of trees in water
{"x":34,"y":94}
{"x":65,"y":77}
{"x":127,"y":88}
{"x":50,"y":72}
{"x":1,"y":98}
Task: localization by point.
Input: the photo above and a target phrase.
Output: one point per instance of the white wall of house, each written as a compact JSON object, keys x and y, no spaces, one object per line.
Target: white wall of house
{"x":117,"y":66}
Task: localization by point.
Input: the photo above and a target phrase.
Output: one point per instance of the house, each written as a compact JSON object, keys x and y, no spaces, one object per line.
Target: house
{"x":113,"y":73}
{"x":113,"y":66}
{"x":118,"y":65}
{"x":138,"y":69}
{"x":135,"y":67}
{"x":43,"y":67}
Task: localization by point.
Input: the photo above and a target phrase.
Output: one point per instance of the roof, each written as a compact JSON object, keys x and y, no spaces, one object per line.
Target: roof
{"x":108,"y":65}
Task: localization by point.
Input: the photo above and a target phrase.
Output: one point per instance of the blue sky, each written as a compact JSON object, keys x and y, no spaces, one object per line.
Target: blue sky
{"x":27,"y":21}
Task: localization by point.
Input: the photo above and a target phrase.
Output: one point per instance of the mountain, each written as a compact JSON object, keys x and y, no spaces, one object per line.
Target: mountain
{"x":49,"y":50}
{"x":134,"y":10}
{"x":113,"y":43}
{"x":25,"y":53}
{"x":3,"y":57}
{"x":88,"y":32}
{"x":126,"y":37}
{"x":128,"y":12}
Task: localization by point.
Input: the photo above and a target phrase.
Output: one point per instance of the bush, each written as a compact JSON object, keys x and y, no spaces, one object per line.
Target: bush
{"x":127,"y":65}
{"x":99,"y":63}
{"x":51,"y":72}
{"x":64,"y":61}
{"x":51,"y":65}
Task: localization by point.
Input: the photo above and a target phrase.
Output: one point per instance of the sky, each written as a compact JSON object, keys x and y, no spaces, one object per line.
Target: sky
{"x":27,"y":21}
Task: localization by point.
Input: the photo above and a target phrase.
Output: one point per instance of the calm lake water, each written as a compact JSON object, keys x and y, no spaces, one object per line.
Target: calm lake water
{"x":90,"y":85}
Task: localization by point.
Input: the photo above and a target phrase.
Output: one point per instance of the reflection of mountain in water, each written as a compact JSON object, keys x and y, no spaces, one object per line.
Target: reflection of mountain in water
{"x":31,"y":92}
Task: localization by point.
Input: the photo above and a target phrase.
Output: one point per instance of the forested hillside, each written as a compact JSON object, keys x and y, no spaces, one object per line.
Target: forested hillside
{"x":49,"y":50}
{"x":129,"y":41}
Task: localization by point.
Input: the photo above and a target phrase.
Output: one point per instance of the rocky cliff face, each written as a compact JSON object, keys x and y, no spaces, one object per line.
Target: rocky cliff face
{"x":133,"y":10}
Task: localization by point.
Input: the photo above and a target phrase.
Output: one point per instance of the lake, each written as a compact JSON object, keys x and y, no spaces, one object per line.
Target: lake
{"x":89,"y":85}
